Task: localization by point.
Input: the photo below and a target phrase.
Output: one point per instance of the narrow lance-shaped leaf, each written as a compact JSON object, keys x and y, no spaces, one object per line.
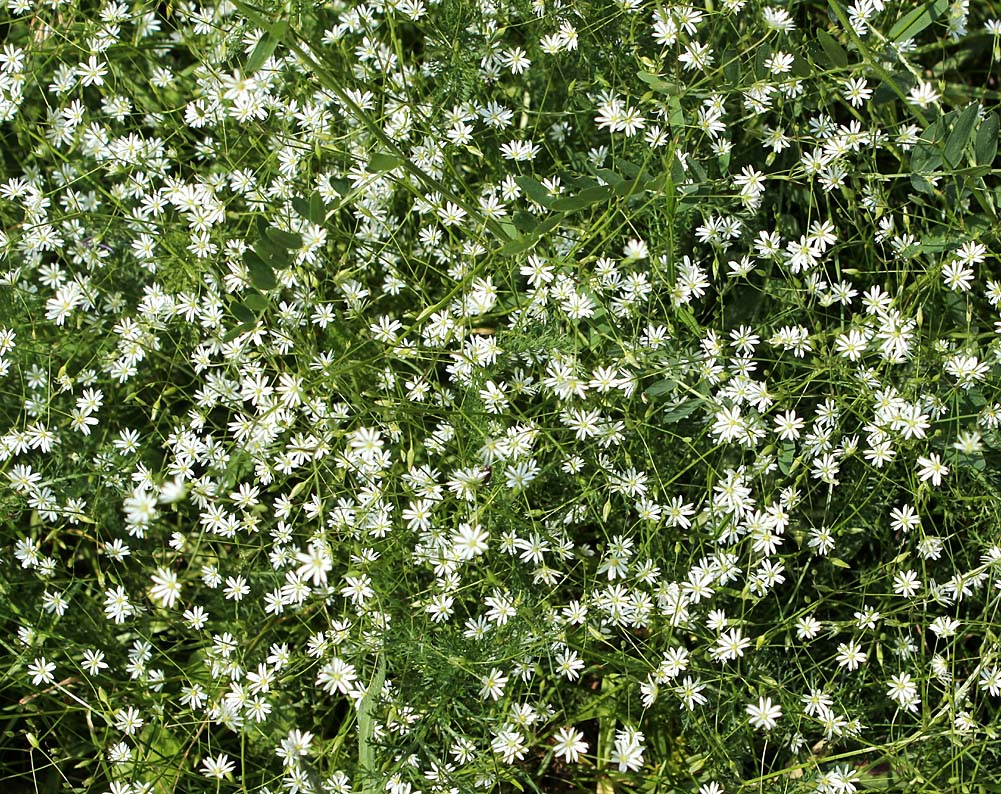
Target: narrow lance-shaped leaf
{"x":916,"y":20}
{"x":265,"y":47}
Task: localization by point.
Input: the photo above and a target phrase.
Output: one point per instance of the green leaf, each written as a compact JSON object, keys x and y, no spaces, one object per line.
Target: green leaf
{"x":255,"y":302}
{"x":802,"y":67}
{"x":518,"y":245}
{"x":585,"y":198}
{"x":665,"y":386}
{"x":548,"y":225}
{"x":534,"y":190}
{"x":383,"y":161}
{"x":834,"y":51}
{"x":916,"y":20}
{"x":960,"y":135}
{"x":262,"y":225}
{"x":761,"y":54}
{"x":524,"y":222}
{"x":317,"y":208}
{"x":631,"y":187}
{"x":272,"y":253}
{"x":898,"y":84}
{"x":266,"y":46}
{"x":986,"y":144}
{"x":262,"y":274}
{"x":675,"y":112}
{"x":300,"y":205}
{"x":786,"y":457}
{"x":658,"y":84}
{"x":625,"y":167}
{"x":926,"y":156}
{"x":609,"y":176}
{"x":290,"y":241}
{"x":366,"y":722}
{"x":680,"y":411}
{"x":242,"y":313}
{"x":239,"y":330}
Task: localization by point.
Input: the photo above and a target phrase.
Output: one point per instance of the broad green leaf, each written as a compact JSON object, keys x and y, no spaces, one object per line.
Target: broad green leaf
{"x":275,"y":255}
{"x":548,"y":225}
{"x":585,"y":198}
{"x":834,"y":51}
{"x":300,"y":205}
{"x":916,"y":20}
{"x":960,"y":135}
{"x":262,"y":225}
{"x":986,"y":144}
{"x":262,"y":274}
{"x":255,"y":302}
{"x":631,"y":187}
{"x":317,"y":208}
{"x":802,"y":67}
{"x":786,"y":457}
{"x":290,"y":241}
{"x":626,"y":167}
{"x":239,"y":330}
{"x":242,"y":313}
{"x":534,"y":190}
{"x":678,"y":172}
{"x":926,"y":155}
{"x":609,"y":176}
{"x":383,"y":161}
{"x":524,"y":222}
{"x":761,"y":54}
{"x":658,"y":84}
{"x":731,"y":67}
{"x":518,"y":245}
{"x":665,"y":386}
{"x":898,"y":84}
{"x":681,"y":411}
{"x":675,"y":113}
{"x":266,"y":46}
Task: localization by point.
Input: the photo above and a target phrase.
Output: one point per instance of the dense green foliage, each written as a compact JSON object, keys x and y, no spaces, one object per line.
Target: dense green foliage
{"x":493,"y":395}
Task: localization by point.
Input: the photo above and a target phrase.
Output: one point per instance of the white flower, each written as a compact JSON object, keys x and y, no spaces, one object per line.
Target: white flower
{"x":569,"y":744}
{"x":923,"y":94}
{"x":493,"y":685}
{"x":217,"y":767}
{"x":337,"y":676}
{"x":165,"y":590}
{"x":850,"y":655}
{"x":510,"y":745}
{"x":128,"y":720}
{"x":519,"y":150}
{"x":904,"y":691}
{"x":932,"y":469}
{"x":41,"y":671}
{"x":315,"y":563}
{"x":765,"y":715}
{"x":628,"y":752}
